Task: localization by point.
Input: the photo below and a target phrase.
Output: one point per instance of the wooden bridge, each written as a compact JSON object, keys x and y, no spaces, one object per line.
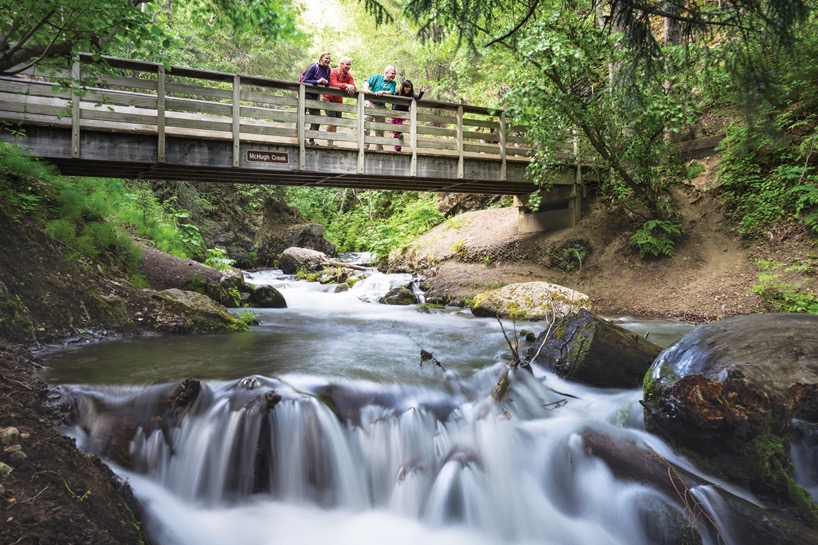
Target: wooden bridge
{"x":112,"y":117}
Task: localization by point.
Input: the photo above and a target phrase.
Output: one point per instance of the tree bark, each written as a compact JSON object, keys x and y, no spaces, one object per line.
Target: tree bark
{"x":594,"y":351}
{"x":750,"y":524}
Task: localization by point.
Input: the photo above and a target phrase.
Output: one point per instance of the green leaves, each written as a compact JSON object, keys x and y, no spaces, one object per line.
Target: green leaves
{"x":33,"y":31}
{"x":656,"y":238}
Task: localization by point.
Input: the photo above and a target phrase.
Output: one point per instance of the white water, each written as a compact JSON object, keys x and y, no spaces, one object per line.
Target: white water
{"x":418,"y":455}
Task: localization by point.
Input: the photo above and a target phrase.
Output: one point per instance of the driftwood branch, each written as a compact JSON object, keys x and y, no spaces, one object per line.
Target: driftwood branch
{"x":425,"y":355}
{"x":332,"y":263}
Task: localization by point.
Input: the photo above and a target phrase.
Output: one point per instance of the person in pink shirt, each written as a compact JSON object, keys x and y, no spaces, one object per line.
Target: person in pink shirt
{"x":340,"y":78}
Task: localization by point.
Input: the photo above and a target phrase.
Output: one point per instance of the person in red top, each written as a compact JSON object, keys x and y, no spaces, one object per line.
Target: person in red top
{"x":340,"y":78}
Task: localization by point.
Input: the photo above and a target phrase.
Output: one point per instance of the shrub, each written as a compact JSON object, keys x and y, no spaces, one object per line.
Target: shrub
{"x":657,"y":238}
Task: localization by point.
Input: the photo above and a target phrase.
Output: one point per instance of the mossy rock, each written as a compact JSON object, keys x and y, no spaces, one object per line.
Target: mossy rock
{"x":198,"y":313}
{"x":726,"y":394}
{"x":530,"y":301}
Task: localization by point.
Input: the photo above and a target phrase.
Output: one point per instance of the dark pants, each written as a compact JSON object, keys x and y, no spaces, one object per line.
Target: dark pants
{"x":313,"y":111}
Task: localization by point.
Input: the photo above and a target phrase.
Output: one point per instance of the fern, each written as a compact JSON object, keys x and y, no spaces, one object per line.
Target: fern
{"x":657,"y":238}
{"x":806,"y":204}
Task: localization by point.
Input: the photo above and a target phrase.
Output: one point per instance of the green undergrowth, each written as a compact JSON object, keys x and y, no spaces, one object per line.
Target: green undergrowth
{"x":377,"y":221}
{"x":95,"y":218}
{"x":785,"y":288}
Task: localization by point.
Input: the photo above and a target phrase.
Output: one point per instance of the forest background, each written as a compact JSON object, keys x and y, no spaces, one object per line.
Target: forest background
{"x":630,"y":79}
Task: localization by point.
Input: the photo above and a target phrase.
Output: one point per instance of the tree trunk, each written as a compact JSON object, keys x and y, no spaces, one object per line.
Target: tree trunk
{"x":749,"y":524}
{"x":594,"y":351}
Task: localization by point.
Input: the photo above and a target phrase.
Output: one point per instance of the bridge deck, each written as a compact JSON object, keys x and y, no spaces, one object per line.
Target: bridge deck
{"x":133,"y":119}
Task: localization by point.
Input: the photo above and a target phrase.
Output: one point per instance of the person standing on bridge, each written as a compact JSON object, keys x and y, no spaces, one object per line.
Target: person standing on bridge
{"x":379,"y":85}
{"x":340,"y":78}
{"x":406,"y":90}
{"x":317,"y":74}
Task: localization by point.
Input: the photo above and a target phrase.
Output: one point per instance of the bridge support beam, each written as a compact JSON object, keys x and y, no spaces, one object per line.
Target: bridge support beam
{"x":558,"y":208}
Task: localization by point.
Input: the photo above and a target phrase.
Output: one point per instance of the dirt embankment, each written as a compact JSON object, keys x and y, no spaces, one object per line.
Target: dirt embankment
{"x":712,"y":275}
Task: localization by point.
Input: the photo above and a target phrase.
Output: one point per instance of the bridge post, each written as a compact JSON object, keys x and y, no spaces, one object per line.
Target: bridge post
{"x":503,"y":163}
{"x":413,"y":137}
{"x":301,"y":119}
{"x":361,"y":131}
{"x":160,"y":114}
{"x":236,"y":120}
{"x":75,"y":109}
{"x":460,"y":159}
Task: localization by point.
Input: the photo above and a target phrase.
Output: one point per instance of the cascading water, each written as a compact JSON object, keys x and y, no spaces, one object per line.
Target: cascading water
{"x":337,"y":436}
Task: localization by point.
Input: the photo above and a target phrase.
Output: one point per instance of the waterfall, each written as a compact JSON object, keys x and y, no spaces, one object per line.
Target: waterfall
{"x":321,"y":427}
{"x":512,"y":474}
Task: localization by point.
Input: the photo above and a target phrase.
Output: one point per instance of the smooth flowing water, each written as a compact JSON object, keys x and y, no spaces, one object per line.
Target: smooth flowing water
{"x":365,"y":444}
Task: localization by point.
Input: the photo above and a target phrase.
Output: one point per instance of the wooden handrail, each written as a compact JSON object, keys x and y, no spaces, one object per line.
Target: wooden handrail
{"x":178,"y":101}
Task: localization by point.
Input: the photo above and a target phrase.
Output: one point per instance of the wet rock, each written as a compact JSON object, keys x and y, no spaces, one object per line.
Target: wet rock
{"x":198,"y":312}
{"x":293,"y":259}
{"x":5,"y":469}
{"x":528,"y":335}
{"x":726,"y":395}
{"x":530,"y":301}
{"x":185,"y":393}
{"x":271,"y":241}
{"x":750,"y":523}
{"x":265,"y":297}
{"x":272,"y":399}
{"x":110,"y":310}
{"x":216,"y":291}
{"x":399,"y":296}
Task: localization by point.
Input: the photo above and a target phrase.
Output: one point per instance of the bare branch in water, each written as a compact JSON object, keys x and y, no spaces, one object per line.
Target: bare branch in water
{"x":425,"y":355}
{"x":516,"y":346}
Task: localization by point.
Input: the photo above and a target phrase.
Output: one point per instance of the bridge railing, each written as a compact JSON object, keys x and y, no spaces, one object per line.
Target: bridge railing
{"x":114,"y":94}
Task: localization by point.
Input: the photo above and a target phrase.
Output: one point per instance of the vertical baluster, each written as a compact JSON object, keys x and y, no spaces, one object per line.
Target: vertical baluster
{"x":413,"y":137}
{"x":236,"y":120}
{"x":361,"y":147}
{"x":460,"y":170}
{"x":503,"y":164}
{"x":302,"y":103}
{"x":160,"y":114}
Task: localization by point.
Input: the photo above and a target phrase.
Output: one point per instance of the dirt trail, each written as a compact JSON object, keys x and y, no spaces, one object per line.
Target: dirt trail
{"x":710,"y":277}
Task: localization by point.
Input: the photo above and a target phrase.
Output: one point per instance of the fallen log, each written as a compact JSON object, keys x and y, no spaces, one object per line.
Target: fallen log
{"x":594,"y":351}
{"x":749,"y":523}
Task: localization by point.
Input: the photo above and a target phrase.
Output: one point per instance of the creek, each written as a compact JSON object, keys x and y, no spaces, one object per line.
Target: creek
{"x":365,"y":445}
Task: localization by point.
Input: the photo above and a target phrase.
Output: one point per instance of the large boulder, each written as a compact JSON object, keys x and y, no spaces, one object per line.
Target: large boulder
{"x":726,"y":395}
{"x":294,"y":258}
{"x":264,"y":297}
{"x":192,"y":312}
{"x":273,"y":238}
{"x":399,"y":296}
{"x":530,"y":301}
